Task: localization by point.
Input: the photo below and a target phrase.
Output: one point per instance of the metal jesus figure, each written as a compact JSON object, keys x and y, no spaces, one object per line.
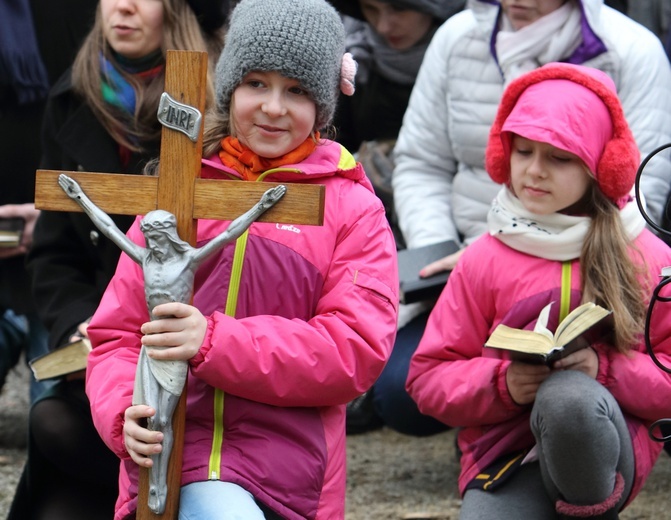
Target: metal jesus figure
{"x":169,"y":265}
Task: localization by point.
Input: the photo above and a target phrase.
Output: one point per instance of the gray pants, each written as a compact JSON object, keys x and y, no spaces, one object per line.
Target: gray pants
{"x":583,"y":443}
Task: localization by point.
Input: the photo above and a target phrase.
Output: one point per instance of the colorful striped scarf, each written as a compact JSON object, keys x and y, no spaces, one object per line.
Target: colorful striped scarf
{"x":115,"y":88}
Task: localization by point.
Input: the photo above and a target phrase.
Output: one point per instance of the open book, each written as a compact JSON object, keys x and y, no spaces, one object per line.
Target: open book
{"x":61,"y":361}
{"x":540,"y":345}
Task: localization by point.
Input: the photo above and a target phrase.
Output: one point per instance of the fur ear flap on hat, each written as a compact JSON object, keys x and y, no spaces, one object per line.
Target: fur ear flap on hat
{"x":616,"y":170}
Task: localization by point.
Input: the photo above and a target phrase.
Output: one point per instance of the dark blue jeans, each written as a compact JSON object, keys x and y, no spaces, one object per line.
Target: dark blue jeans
{"x":13,"y":340}
{"x":22,"y":334}
{"x":392,"y":403}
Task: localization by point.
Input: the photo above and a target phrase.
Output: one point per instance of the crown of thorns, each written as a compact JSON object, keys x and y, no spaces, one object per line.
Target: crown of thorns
{"x":158,"y":220}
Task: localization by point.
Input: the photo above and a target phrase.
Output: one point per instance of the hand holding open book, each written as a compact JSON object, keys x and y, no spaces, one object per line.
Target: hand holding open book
{"x":578,"y":330}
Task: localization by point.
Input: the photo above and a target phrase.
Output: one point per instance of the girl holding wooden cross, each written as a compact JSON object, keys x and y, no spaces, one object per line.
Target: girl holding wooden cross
{"x":289,"y":323}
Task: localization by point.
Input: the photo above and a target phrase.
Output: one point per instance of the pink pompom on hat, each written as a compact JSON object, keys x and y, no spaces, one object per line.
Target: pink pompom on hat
{"x":574,"y":108}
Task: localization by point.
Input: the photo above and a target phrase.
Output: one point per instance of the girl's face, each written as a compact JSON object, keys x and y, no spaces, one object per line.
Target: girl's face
{"x":401,"y":28}
{"x":524,"y":12}
{"x":271,"y":114}
{"x":133,"y":28}
{"x":547,"y":179}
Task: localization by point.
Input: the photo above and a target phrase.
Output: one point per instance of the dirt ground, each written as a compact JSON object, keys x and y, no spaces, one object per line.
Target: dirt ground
{"x":395,"y":477}
{"x":390,"y":476}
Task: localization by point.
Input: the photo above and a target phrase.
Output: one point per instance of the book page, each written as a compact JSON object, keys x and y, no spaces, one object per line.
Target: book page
{"x":541,"y":326}
{"x":572,"y":316}
{"x":575,"y":324}
{"x":11,"y":230}
{"x":508,"y":338}
{"x":9,"y":239}
{"x":63,"y":360}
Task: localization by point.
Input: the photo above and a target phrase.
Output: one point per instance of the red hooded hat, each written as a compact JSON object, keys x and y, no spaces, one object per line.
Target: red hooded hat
{"x":574,"y":108}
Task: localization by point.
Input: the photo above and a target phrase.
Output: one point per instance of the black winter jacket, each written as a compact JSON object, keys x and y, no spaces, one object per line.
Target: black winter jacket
{"x":71,"y":262}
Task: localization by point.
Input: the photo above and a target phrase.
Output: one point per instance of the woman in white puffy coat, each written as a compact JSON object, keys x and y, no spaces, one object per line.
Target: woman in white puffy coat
{"x":441,"y":189}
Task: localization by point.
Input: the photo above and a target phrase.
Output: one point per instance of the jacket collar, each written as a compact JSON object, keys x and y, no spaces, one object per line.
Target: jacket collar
{"x":329,"y":159}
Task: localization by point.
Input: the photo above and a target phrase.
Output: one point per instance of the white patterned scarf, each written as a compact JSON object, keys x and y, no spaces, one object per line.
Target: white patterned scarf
{"x":550,"y":38}
{"x":555,"y":236}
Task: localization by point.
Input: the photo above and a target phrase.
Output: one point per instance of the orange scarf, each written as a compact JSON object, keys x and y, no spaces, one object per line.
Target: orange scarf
{"x":250,"y":165}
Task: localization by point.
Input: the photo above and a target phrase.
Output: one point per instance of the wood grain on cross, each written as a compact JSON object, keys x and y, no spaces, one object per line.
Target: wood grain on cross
{"x":179,"y":190}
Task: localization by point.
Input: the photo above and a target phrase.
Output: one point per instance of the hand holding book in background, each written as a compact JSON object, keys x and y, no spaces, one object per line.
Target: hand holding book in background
{"x":413,"y":288}
{"x":11,"y":231}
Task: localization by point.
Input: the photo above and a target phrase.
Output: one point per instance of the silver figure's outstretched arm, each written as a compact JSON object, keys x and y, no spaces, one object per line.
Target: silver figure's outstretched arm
{"x":242,"y":223}
{"x":102,"y":221}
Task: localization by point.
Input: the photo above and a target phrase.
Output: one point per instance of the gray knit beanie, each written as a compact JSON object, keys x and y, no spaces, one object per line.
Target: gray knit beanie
{"x":300,"y":39}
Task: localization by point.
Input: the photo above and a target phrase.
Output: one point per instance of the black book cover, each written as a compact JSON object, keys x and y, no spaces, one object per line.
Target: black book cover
{"x":410,"y":261}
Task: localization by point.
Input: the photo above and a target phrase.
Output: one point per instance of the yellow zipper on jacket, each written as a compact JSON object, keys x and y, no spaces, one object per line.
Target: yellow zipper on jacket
{"x":231,"y":305}
{"x":565,"y":302}
{"x":214,"y":468}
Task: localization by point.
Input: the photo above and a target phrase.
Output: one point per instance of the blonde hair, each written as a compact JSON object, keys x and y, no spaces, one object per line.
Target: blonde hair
{"x":217,"y":126}
{"x":609,"y":275}
{"x":181,"y":31}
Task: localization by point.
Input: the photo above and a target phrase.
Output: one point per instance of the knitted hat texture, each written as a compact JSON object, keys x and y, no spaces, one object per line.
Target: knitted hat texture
{"x":300,"y":39}
{"x":576,"y":109}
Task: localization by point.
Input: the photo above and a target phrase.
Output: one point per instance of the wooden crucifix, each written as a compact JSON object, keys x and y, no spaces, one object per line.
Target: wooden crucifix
{"x":179,"y":190}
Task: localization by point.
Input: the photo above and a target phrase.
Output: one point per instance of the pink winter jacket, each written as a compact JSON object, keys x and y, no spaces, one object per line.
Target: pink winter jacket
{"x":454,"y":378}
{"x":315,"y":321}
